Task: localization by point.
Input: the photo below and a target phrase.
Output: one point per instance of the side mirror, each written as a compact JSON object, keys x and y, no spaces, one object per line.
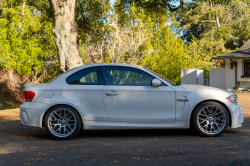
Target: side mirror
{"x":156,"y":82}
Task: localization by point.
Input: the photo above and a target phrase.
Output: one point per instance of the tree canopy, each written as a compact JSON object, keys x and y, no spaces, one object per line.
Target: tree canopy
{"x":164,"y":35}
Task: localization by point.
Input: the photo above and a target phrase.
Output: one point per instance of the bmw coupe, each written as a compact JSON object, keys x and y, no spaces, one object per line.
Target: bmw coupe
{"x":122,"y":96}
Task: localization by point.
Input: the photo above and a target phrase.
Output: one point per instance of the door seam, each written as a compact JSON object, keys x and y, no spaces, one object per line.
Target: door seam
{"x":104,"y":103}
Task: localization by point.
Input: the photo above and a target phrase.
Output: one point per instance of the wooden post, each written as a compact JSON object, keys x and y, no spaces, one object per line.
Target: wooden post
{"x":236,"y":85}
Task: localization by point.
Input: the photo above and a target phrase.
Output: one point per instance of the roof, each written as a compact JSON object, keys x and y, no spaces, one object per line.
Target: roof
{"x":242,"y":52}
{"x":60,"y":80}
{"x":245,"y":46}
{"x":108,"y":64}
{"x":234,"y":55}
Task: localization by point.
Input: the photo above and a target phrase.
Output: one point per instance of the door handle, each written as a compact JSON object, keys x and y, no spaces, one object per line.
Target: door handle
{"x":112,"y":93}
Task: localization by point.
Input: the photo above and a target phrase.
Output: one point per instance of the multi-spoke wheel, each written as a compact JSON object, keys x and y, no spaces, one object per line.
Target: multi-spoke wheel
{"x":210,"y":119}
{"x":62,"y":122}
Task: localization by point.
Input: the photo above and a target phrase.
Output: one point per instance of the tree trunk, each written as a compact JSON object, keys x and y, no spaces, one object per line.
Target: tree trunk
{"x":20,"y":22}
{"x":218,"y":25}
{"x":65,"y":33}
{"x":211,"y":5}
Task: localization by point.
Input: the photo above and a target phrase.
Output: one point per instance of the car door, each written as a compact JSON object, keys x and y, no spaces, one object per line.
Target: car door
{"x":129,"y":97}
{"x":85,"y":87}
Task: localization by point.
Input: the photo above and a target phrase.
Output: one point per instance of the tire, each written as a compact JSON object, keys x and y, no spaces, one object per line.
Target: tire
{"x":210,"y":119}
{"x":62,"y":122}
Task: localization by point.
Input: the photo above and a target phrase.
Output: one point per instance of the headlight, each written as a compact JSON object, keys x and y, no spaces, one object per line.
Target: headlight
{"x":233,"y":99}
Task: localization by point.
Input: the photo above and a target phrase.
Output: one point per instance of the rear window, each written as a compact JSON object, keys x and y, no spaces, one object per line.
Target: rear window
{"x":60,"y":75}
{"x":90,"y":76}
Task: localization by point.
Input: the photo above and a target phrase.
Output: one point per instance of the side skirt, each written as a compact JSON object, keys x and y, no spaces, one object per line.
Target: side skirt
{"x":101,"y":125}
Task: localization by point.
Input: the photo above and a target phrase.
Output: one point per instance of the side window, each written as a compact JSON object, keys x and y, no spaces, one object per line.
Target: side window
{"x":91,"y":76}
{"x":247,"y":67}
{"x":126,"y":76}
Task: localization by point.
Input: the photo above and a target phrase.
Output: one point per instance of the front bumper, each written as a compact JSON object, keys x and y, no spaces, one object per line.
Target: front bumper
{"x":237,"y":116}
{"x":31,"y":114}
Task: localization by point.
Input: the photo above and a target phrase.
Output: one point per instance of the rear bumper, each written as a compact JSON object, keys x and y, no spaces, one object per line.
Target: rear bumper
{"x":237,"y":116}
{"x":31,"y":114}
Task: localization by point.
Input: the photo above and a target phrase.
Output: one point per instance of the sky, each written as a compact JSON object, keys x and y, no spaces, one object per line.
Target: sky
{"x":112,"y":2}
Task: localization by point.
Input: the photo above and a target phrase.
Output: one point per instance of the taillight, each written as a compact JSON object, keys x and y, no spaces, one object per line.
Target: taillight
{"x":28,"y":96}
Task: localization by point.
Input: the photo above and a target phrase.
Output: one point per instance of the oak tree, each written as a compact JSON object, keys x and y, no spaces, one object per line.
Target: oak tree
{"x":65,"y":33}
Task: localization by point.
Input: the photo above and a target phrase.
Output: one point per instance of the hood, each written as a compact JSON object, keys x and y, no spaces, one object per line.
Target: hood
{"x":203,"y":87}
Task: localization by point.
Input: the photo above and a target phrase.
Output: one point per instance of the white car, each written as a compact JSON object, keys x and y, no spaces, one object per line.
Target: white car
{"x":122,"y":96}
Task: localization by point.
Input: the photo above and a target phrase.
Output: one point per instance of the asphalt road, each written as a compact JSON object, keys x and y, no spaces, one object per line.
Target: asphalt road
{"x":22,"y":145}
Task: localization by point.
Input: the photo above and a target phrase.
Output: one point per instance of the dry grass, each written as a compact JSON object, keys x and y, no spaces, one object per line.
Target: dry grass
{"x":244,"y":97}
{"x":9,"y":114}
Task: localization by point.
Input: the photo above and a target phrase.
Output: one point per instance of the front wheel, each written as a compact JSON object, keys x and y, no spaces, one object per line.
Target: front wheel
{"x":210,"y":119}
{"x":62,"y":122}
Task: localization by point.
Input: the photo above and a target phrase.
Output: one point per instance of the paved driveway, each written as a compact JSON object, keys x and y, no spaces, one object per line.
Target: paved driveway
{"x":20,"y":145}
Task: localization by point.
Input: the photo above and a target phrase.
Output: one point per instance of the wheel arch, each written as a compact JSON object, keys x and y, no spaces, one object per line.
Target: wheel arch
{"x":61,"y":105}
{"x":224,"y":105}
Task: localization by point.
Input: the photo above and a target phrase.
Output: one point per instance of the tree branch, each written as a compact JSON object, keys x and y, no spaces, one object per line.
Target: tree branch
{"x":163,"y":4}
{"x":206,"y":21}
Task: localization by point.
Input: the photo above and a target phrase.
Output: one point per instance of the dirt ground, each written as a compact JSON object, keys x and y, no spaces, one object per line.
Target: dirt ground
{"x":9,"y":114}
{"x":244,"y":97}
{"x":13,"y":114}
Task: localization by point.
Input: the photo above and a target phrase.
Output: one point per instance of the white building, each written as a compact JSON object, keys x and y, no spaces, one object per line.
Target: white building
{"x":236,"y":74}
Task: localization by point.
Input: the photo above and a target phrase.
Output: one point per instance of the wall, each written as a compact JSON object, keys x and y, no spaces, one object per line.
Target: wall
{"x":223,"y":78}
{"x":241,"y":70}
{"x":240,"y":73}
{"x":245,"y":85}
{"x":188,"y":76}
{"x":191,"y":76}
{"x":217,"y":77}
{"x":200,"y":76}
{"x":229,"y":75}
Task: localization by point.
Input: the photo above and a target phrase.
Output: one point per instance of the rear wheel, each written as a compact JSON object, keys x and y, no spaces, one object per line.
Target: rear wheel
{"x":210,"y":119}
{"x":62,"y":122}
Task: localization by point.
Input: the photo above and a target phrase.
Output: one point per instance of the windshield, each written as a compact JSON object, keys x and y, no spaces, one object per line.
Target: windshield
{"x":170,"y":82}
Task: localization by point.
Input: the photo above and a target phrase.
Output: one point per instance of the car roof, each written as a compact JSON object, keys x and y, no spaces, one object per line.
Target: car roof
{"x":76,"y":69}
{"x":61,"y":79}
{"x":109,"y":64}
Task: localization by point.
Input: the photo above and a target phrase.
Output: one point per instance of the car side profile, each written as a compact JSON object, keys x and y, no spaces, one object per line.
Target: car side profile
{"x":122,"y":96}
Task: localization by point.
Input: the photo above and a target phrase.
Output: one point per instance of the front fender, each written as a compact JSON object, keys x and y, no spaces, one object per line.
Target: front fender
{"x":184,"y":109}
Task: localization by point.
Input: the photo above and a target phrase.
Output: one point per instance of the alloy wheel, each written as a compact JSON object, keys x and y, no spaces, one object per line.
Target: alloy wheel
{"x":62,"y":122}
{"x":211,"y":119}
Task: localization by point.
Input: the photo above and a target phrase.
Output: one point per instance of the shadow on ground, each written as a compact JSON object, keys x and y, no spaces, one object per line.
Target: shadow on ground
{"x":28,"y":145}
{"x":15,"y":129}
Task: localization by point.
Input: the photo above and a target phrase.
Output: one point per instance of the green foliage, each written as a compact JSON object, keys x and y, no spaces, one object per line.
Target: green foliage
{"x":23,"y":38}
{"x":90,"y":17}
{"x":219,"y":22}
{"x":173,"y":55}
{"x":237,"y":91}
{"x":21,"y":50}
{"x":26,"y":40}
{"x":153,"y":7}
{"x":166,"y":52}
{"x":155,"y":34}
